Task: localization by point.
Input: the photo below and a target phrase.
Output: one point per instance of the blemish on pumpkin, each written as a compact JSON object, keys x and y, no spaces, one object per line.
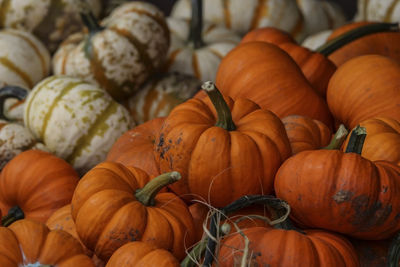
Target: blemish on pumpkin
{"x":368,"y":215}
{"x":342,"y":196}
{"x":179,"y":140}
{"x":385,"y":189}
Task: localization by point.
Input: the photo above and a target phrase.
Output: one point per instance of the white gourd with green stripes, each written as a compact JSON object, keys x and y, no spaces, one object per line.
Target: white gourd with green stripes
{"x":50,"y":20}
{"x":202,"y":62}
{"x":132,"y":46}
{"x":378,"y":10}
{"x":77,"y":121}
{"x":243,"y":16}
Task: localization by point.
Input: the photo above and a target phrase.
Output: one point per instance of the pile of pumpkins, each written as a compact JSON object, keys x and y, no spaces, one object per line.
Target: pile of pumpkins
{"x":208,"y":138}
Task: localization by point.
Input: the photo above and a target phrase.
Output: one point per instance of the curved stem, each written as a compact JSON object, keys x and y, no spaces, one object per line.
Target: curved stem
{"x":147,"y":194}
{"x":338,"y":138}
{"x":90,"y":21}
{"x":14,"y":214}
{"x":394,"y":252}
{"x":196,"y":24}
{"x":355,"y":34}
{"x":224,"y":116}
{"x":11,"y":92}
{"x":356,"y":141}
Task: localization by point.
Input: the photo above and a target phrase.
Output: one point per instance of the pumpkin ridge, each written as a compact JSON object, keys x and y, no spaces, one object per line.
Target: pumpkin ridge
{"x":46,"y":118}
{"x":34,"y":47}
{"x":22,"y":74}
{"x":4,"y":6}
{"x":98,"y":125}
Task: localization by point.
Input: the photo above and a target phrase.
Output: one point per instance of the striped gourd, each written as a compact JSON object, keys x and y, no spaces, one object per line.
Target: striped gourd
{"x":378,"y":10}
{"x":50,"y":20}
{"x":160,"y":95}
{"x":77,"y":121}
{"x":245,"y":15}
{"x":14,"y":139}
{"x":121,"y":54}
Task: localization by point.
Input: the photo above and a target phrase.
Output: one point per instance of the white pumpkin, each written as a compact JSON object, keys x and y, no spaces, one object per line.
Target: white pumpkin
{"x":14,"y":139}
{"x":200,"y":62}
{"x":378,"y":10}
{"x":245,"y":15}
{"x":122,"y":55}
{"x":160,"y":95}
{"x":320,"y":15}
{"x":50,"y":20}
{"x":316,"y":40}
{"x":76,"y":120}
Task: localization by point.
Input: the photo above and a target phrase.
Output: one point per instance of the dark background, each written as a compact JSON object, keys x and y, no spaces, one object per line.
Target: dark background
{"x":349,"y":6}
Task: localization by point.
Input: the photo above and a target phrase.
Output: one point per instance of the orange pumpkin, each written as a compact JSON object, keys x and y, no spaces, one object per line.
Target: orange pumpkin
{"x":141,"y":254}
{"x":110,"y":209}
{"x":135,"y":147}
{"x":31,"y":243}
{"x":371,"y":253}
{"x":223,"y":150}
{"x":38,"y":183}
{"x":365,"y":87}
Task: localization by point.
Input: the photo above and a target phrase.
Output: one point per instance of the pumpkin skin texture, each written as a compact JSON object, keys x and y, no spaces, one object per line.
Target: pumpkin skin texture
{"x":120,"y":57}
{"x":160,"y":95}
{"x":51,"y":20}
{"x":268,"y":76}
{"x":371,"y":253}
{"x":342,"y":192}
{"x":135,"y":148}
{"x":15,"y":138}
{"x":305,"y":133}
{"x":77,"y":121}
{"x":140,"y":254}
{"x":245,"y":16}
{"x":38,"y":182}
{"x":108,"y":215}
{"x":189,"y":140}
{"x":382,"y":141}
{"x":363,"y":88}
{"x":200,"y":62}
{"x":31,"y":243}
{"x":278,"y":247}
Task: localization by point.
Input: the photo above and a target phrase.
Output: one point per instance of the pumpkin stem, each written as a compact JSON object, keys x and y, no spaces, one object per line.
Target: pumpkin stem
{"x":355,"y":34}
{"x":196,"y":25}
{"x":356,"y":141}
{"x":224,"y":115}
{"x":338,"y":138}
{"x":147,"y":194}
{"x":90,"y":21}
{"x":394,"y":252}
{"x":10,"y":92}
{"x":14,"y":214}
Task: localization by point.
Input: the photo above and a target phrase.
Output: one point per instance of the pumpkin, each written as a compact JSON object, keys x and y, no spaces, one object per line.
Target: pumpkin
{"x":371,"y":253}
{"x":268,"y":76}
{"x":135,"y":148}
{"x":305,"y":133}
{"x":342,"y":192}
{"x":75,"y":120}
{"x":365,"y":87}
{"x":119,"y":55}
{"x":160,"y":95}
{"x":378,"y":10}
{"x":234,"y":139}
{"x":31,"y":243}
{"x":141,"y":254}
{"x":197,"y":49}
{"x":243,"y":16}
{"x":110,"y":209}
{"x":38,"y":183}
{"x":51,"y":20}
{"x":316,"y":40}
{"x":383,"y":139}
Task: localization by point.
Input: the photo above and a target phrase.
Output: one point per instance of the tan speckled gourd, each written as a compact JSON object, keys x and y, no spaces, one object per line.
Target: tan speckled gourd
{"x":378,"y":10}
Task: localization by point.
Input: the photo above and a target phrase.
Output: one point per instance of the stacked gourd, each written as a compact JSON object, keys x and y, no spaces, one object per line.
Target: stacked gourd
{"x":106,"y":193}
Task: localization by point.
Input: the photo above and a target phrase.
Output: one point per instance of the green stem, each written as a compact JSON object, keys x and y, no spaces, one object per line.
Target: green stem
{"x":90,"y":21}
{"x":355,"y":34}
{"x":394,"y":252}
{"x":338,"y":139}
{"x":224,"y":116}
{"x":356,"y":141}
{"x":147,"y":194}
{"x":196,"y":25}
{"x":14,"y":214}
{"x":10,"y":92}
